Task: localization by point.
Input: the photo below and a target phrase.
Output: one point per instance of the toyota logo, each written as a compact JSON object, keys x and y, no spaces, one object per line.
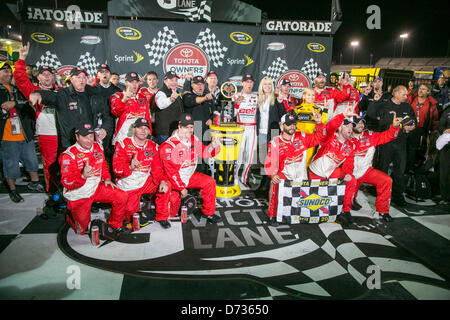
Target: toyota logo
{"x":293,"y":77}
{"x":186,"y":52}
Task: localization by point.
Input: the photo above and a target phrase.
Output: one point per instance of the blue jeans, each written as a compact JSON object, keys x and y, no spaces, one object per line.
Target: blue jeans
{"x":15,"y":151}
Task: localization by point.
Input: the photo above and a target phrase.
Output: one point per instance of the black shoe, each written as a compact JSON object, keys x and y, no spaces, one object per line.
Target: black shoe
{"x":15,"y":196}
{"x":348,"y":216}
{"x":36,"y":187}
{"x":165,"y":224}
{"x":110,"y":233}
{"x":386,"y":217}
{"x":355,"y":205}
{"x":213,"y":219}
{"x":145,"y":219}
{"x":273,"y":222}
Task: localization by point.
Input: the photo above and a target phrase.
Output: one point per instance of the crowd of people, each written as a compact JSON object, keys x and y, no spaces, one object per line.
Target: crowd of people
{"x":102,"y":143}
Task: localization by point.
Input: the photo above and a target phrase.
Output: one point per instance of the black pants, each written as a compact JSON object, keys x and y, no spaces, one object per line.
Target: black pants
{"x":414,"y":156}
{"x":444,"y":160}
{"x":394,"y":152}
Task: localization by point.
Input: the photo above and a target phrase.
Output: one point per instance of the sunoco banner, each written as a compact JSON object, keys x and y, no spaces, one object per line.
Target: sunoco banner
{"x":297,"y":58}
{"x":141,"y":46}
{"x":63,"y":49}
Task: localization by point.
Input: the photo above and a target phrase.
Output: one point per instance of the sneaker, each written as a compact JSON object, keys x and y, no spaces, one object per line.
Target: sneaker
{"x":348,"y":216}
{"x":386,"y":217}
{"x":355,"y":205}
{"x":145,"y":219}
{"x":111,"y":233}
{"x":36,"y":186}
{"x":15,"y":196}
{"x":273,"y":222}
{"x":165,"y":224}
{"x":213,"y":219}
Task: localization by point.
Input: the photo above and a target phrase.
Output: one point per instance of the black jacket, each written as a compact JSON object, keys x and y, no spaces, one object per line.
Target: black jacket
{"x":372,"y":109}
{"x":401,"y":110}
{"x":200,"y":111}
{"x":276,"y":111}
{"x":73,"y":108}
{"x":166,"y":120}
{"x":25,"y":112}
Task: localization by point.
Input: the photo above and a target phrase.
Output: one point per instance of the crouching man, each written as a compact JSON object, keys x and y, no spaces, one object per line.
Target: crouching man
{"x":86,"y":179}
{"x":139,"y":171}
{"x":179,"y":159}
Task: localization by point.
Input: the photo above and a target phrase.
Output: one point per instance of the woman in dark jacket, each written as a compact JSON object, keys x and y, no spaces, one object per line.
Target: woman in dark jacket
{"x":267,"y":122}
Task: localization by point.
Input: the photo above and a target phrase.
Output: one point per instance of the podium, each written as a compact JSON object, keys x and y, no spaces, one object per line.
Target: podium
{"x":230,"y":137}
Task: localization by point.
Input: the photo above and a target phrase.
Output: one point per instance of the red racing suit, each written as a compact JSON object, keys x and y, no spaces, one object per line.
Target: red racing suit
{"x":143,"y":180}
{"x":352,"y":99}
{"x":363,"y":170}
{"x":128,"y":112}
{"x":331,"y":96}
{"x":289,"y":103}
{"x":81,"y":193}
{"x":287,"y":159}
{"x":331,"y":154}
{"x":45,"y":128}
{"x":179,"y":161}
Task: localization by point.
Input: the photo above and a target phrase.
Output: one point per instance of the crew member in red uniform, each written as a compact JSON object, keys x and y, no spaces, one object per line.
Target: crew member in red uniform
{"x":86,"y":179}
{"x":328,"y":97}
{"x":45,"y":117}
{"x":337,"y":149}
{"x":353,"y":99}
{"x":179,"y":155}
{"x":128,"y":106}
{"x":287,"y":154}
{"x":366,"y":142}
{"x":285,"y":98}
{"x":139,"y":171}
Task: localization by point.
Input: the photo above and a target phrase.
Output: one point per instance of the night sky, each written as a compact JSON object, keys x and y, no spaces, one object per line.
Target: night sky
{"x":425,"y":21}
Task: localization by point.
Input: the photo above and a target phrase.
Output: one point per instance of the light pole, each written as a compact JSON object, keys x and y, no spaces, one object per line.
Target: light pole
{"x":403,"y":37}
{"x":354,"y":44}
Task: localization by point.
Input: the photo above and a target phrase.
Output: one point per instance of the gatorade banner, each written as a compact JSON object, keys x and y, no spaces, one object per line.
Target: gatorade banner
{"x":296,"y":58}
{"x":310,"y":201}
{"x":64,"y":49}
{"x":142,"y":46}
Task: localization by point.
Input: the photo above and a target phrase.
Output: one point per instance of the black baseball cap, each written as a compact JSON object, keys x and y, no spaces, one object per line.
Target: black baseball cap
{"x":198,"y":79}
{"x":247,"y":77}
{"x":141,"y":122}
{"x":76,"y":71}
{"x":84,"y":129}
{"x":357,"y":119}
{"x":348,"y":121}
{"x":289,"y":119}
{"x":285,"y":82}
{"x":103,"y":66}
{"x":45,"y":68}
{"x":170,"y":75}
{"x":186,"y":119}
{"x":132,"y":76}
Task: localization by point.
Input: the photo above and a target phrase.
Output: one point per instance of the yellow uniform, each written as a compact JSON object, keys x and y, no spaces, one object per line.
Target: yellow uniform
{"x":307,"y":124}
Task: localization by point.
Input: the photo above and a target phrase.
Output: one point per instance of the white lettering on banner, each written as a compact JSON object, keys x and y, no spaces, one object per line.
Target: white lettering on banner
{"x":299,"y":26}
{"x":72,"y":14}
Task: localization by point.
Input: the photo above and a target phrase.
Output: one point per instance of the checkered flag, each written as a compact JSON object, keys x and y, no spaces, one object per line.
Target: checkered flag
{"x":88,"y":64}
{"x":311,"y":69}
{"x":213,"y":48}
{"x":49,"y":59}
{"x":238,"y":11}
{"x":309,"y":202}
{"x":164,"y":40}
{"x":201,"y":12}
{"x":276,"y":69}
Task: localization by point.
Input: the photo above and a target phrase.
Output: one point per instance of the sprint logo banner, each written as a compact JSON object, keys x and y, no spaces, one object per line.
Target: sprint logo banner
{"x":310,"y":201}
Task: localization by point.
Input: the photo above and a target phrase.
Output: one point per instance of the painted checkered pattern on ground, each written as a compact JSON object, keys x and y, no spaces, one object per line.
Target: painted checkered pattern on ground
{"x":289,"y":196}
{"x":88,"y":63}
{"x":311,"y":69}
{"x":276,"y":69}
{"x":49,"y":59}
{"x":212,"y":46}
{"x":164,"y":40}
